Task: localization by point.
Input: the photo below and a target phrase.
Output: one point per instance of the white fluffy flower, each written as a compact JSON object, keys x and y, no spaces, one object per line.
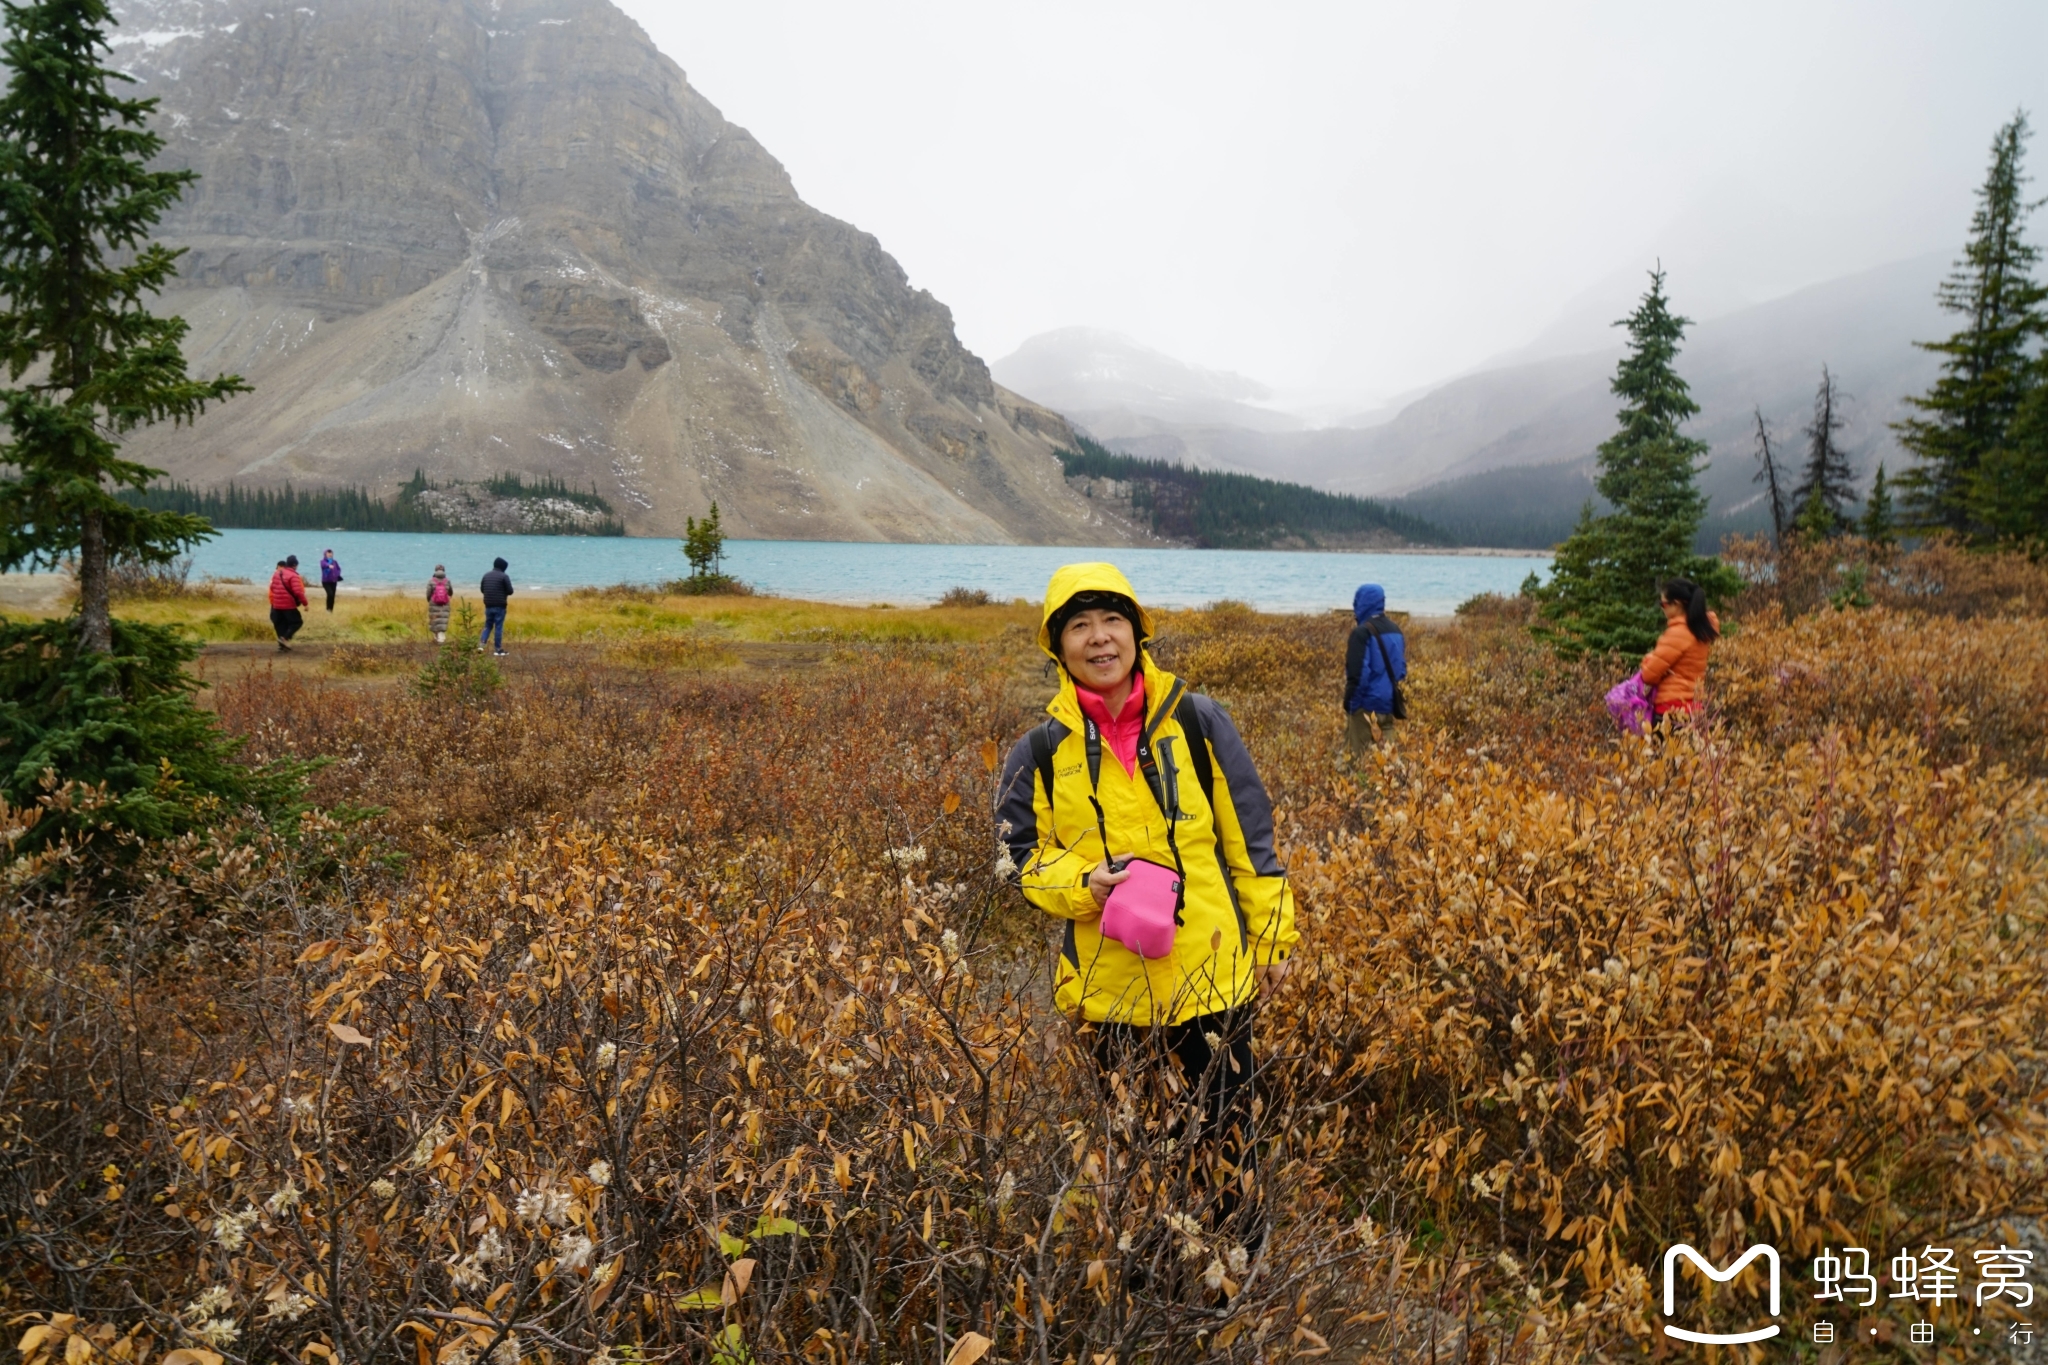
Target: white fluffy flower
{"x":1213,"y":1276}
{"x":284,"y":1201}
{"x":545,"y":1206}
{"x":1123,"y":1241}
{"x":423,"y":1150}
{"x":1006,"y":866}
{"x":949,"y":944}
{"x":1239,"y":1259}
{"x":490,"y":1247}
{"x":607,"y":1056}
{"x":906,"y":856}
{"x":289,"y":1308}
{"x":1006,"y":1189}
{"x":212,"y":1301}
{"x":382,"y":1190}
{"x":465,"y":1275}
{"x":506,"y":1352}
{"x":299,"y":1106}
{"x":599,"y":1173}
{"x":231,"y":1230}
{"x":573,"y":1252}
{"x":218,"y":1333}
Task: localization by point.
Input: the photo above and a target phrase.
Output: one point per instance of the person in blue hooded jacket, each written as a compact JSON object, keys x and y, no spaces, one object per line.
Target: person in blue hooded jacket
{"x":1374,"y":661}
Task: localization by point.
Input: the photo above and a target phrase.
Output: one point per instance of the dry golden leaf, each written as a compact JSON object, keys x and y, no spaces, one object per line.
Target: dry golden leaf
{"x":1098,"y":1274}
{"x":191,"y":1355}
{"x":348,"y":1035}
{"x":952,"y":803}
{"x":989,"y":754}
{"x":315,"y":952}
{"x":968,"y":1347}
{"x":737,"y":1276}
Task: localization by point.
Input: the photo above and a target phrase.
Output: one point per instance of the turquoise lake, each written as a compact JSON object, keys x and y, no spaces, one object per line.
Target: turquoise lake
{"x":902,"y":575}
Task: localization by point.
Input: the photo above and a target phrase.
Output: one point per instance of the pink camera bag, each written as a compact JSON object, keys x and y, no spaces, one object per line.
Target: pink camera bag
{"x":1140,"y":911}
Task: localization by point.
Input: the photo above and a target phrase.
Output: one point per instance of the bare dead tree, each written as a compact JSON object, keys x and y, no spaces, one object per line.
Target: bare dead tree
{"x":1768,"y":476}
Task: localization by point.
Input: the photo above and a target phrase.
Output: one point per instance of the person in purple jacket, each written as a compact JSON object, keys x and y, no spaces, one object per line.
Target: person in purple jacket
{"x":330,"y":575}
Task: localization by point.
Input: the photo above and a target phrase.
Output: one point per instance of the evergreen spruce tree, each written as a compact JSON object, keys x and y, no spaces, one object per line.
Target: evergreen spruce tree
{"x":704,"y":545}
{"x":1603,"y":591}
{"x":77,"y":268}
{"x":1879,"y":526}
{"x":2012,"y":485}
{"x":1827,"y":485}
{"x":102,"y":703}
{"x":1988,"y":365}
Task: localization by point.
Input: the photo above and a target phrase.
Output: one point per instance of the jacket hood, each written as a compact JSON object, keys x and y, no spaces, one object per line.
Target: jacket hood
{"x":1070,"y":579}
{"x":1369,"y":601}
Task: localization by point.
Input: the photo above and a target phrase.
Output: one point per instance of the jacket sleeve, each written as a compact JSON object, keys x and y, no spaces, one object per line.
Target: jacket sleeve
{"x":1244,"y":832}
{"x":1053,"y":878}
{"x":1354,"y":660}
{"x":1669,"y":649}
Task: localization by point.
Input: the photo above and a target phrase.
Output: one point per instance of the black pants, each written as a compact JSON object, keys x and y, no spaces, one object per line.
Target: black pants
{"x":1217,"y":1098}
{"x":286,"y":621}
{"x":328,"y":588}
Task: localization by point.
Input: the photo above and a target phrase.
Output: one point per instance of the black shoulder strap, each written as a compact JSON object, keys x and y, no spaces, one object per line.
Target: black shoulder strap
{"x":1041,"y":756}
{"x":1190,"y":720}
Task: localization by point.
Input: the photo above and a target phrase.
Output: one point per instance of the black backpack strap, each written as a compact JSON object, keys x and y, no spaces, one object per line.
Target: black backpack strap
{"x":1041,"y":756}
{"x":1190,"y":718}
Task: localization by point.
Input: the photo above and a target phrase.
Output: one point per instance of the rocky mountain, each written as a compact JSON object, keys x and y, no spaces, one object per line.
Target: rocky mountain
{"x":1118,"y":387}
{"x":478,"y":237}
{"x":1504,"y":455}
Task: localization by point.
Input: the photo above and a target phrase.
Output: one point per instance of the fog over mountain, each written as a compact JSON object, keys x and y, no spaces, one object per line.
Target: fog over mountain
{"x":1507,"y":451}
{"x":488,"y":236}
{"x":1122,"y":388}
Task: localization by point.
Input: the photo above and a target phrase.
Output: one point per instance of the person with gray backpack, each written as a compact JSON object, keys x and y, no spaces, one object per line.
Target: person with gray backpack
{"x":1375,"y":664}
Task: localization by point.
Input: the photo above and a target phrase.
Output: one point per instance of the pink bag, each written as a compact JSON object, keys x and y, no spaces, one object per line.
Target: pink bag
{"x":1141,"y":911}
{"x":1628,"y":701}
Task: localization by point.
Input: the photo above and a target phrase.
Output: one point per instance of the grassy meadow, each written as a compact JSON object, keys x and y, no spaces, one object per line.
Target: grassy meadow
{"x":667,"y":1003}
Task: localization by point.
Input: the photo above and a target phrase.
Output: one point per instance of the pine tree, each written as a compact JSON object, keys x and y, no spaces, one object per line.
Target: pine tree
{"x":77,"y":268}
{"x":2012,"y":485}
{"x":1603,"y":590}
{"x":1878,"y":525}
{"x":703,"y":545}
{"x":1988,"y":364}
{"x":1827,"y":483}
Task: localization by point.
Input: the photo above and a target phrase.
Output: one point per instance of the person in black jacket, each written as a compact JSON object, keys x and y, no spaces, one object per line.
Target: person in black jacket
{"x":497,"y":588}
{"x":1375,"y":662}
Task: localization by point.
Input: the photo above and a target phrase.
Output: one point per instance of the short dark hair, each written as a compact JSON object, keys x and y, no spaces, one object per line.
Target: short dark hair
{"x":499,"y":564}
{"x":1094,"y":601}
{"x":291,"y":561}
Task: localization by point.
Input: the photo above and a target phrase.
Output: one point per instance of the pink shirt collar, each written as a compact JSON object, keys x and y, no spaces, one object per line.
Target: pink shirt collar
{"x":1122,"y":730}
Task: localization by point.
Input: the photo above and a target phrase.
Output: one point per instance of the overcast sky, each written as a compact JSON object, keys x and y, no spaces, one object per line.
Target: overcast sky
{"x":1360,"y":198}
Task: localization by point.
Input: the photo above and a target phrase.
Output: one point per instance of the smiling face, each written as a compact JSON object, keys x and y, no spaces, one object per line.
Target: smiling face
{"x":1100,"y":648}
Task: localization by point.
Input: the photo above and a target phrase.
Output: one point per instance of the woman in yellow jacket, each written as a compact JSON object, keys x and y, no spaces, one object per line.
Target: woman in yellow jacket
{"x":1133,"y":765}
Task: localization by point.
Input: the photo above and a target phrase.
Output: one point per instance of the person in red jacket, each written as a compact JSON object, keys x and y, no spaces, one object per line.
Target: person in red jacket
{"x":1676,"y":668}
{"x":287,"y":595}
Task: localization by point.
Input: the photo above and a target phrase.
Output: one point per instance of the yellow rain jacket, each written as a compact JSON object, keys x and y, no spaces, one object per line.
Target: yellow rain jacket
{"x":1239,"y":910}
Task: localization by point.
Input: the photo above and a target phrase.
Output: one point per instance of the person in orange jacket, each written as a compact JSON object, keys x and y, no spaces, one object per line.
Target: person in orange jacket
{"x":1675,"y":670}
{"x":287,"y":595}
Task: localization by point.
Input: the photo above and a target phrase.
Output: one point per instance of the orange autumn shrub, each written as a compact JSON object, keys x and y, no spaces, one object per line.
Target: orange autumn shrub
{"x":1962,"y":688}
{"x":607,"y":1037}
{"x":1722,"y":992}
